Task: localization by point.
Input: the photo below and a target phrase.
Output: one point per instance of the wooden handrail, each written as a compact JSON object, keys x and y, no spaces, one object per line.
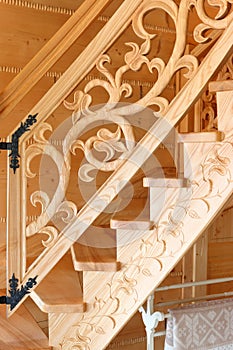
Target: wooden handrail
{"x":177,"y":109}
{"x":85,"y":61}
{"x":15,"y":91}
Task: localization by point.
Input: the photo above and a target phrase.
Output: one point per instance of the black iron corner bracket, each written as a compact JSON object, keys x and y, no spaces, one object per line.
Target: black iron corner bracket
{"x":17,"y":294}
{"x":13,"y":145}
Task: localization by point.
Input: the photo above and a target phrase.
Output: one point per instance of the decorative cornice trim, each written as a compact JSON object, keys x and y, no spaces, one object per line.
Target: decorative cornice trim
{"x":38,"y":6}
{"x":8,"y":69}
{"x":51,"y":74}
{"x":69,"y":12}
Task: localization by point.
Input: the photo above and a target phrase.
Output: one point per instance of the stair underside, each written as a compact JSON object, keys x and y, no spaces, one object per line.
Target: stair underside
{"x":86,"y":258}
{"x":61,"y":290}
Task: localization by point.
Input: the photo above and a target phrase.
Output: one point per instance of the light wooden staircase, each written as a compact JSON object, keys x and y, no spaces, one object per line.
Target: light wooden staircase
{"x":90,"y":292}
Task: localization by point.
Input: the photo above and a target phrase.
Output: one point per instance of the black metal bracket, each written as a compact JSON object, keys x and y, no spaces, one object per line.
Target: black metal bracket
{"x":17,"y":294}
{"x":14,"y":144}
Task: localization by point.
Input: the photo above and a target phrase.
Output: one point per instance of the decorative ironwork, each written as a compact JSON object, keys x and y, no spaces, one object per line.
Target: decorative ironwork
{"x":17,"y":294}
{"x":14,"y":144}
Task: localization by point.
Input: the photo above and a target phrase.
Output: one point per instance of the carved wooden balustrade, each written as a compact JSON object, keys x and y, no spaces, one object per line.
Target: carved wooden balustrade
{"x":72,"y":170}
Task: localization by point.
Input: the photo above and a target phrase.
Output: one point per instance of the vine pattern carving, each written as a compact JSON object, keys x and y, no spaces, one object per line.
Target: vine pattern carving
{"x":163,"y":241}
{"x":111,"y":142}
{"x":213,"y":165}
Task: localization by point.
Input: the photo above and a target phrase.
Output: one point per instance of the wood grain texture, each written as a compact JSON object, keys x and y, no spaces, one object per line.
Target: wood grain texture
{"x":86,"y":61}
{"x":217,"y":86}
{"x":165,"y":183}
{"x":49,"y":54}
{"x":125,"y":283}
{"x":60,"y":291}
{"x":211,"y":136}
{"x":150,"y":142}
{"x":131,"y":225}
{"x":86,"y":258}
{"x":14,"y":243}
{"x":181,"y":237}
{"x":21,"y":331}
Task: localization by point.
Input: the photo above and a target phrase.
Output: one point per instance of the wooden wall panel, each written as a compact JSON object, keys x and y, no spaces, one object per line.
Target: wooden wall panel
{"x":24,"y":37}
{"x":22,"y":110}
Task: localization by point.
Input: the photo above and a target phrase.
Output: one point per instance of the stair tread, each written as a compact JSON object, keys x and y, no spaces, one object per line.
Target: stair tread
{"x":87,"y":258}
{"x":205,"y":136}
{"x":131,"y":224}
{"x":224,"y":85}
{"x":60,"y":291}
{"x":165,"y":182}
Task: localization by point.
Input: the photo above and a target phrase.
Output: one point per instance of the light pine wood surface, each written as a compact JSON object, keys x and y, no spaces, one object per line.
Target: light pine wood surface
{"x":88,"y":307}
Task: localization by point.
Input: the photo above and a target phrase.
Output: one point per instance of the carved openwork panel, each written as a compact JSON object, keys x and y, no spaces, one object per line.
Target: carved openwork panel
{"x":94,"y":143}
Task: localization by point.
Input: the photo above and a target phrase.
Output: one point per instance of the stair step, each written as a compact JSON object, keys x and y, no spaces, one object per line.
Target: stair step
{"x":224,"y":85}
{"x":86,"y":258}
{"x":197,"y":137}
{"x":60,"y":291}
{"x":131,"y":225}
{"x":165,"y":182}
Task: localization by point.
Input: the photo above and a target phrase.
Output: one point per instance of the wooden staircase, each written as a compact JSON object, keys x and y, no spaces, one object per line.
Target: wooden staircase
{"x":90,"y":292}
{"x":146,"y":250}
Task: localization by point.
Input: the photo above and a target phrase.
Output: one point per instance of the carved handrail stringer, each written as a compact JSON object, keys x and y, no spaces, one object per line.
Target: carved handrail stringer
{"x":123,"y":154}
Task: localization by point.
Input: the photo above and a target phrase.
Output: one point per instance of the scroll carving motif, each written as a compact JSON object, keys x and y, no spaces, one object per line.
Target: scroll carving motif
{"x":163,"y":240}
{"x":214,"y":163}
{"x":116,"y":146}
{"x":227,"y":70}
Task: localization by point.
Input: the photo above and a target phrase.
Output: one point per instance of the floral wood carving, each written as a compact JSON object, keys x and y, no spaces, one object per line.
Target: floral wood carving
{"x":111,"y":142}
{"x":156,"y":247}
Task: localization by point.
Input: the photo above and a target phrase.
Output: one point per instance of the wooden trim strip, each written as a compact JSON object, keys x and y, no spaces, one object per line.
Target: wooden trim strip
{"x":89,"y":77}
{"x":131,"y":225}
{"x":165,"y":182}
{"x":49,"y":54}
{"x":38,"y":6}
{"x":224,"y":85}
{"x":205,"y":136}
{"x":178,"y":109}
